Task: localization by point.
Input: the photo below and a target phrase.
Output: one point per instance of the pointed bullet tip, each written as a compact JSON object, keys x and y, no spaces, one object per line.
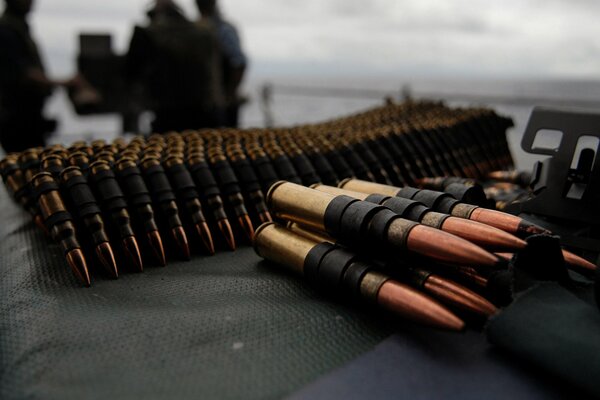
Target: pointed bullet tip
{"x":520,"y":244}
{"x":483,"y":235}
{"x":227,"y":232}
{"x":206,"y":236}
{"x":527,"y":228}
{"x":133,"y":251}
{"x":78,"y":264}
{"x":182,"y":243}
{"x":410,"y":303}
{"x":455,"y":294}
{"x":107,"y":259}
{"x":506,"y":222}
{"x":265,"y":217}
{"x":446,"y":247}
{"x":247,"y":227}
{"x":501,"y":262}
{"x":496,"y":175}
{"x":505,"y":256}
{"x":458,"y":325}
{"x":39,"y":221}
{"x":157,"y":247}
{"x":574,"y":260}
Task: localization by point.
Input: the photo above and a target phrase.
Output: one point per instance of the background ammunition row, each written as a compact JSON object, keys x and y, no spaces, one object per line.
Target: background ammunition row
{"x":500,"y":188}
{"x":394,"y":144}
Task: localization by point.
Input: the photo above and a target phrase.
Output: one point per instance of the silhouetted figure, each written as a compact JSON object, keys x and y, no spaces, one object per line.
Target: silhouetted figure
{"x":178,"y":65}
{"x":233,"y":59}
{"x":24,"y":85}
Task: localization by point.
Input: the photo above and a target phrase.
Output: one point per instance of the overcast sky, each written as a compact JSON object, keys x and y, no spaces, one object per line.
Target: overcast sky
{"x":418,"y":38}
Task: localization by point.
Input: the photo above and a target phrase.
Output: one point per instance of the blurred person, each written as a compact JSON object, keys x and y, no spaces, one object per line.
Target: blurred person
{"x":233,"y":59}
{"x":176,"y":63}
{"x":24,"y":86}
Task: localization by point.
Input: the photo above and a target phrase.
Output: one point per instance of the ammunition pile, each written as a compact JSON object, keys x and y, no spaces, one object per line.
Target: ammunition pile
{"x":500,"y":189}
{"x":434,"y":252}
{"x":145,"y":197}
{"x":127,"y":204}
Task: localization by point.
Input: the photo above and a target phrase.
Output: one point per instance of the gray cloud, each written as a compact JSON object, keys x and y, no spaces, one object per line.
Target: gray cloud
{"x":512,"y":38}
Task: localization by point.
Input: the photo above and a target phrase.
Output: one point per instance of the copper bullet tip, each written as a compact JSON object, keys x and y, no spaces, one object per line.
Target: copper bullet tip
{"x":157,"y":247}
{"x":459,"y":296}
{"x":497,"y":175}
{"x":448,"y":248}
{"x":473,"y":276}
{"x":182,"y":242}
{"x":77,"y":263}
{"x":506,"y":256}
{"x":409,"y":303}
{"x":227,"y":232}
{"x":133,"y":251}
{"x":246,"y":224}
{"x":265,"y":217}
{"x":206,"y":236}
{"x":39,"y":221}
{"x":506,"y":222}
{"x":107,"y":259}
{"x":483,"y":235}
{"x":573,"y":260}
{"x":527,"y":228}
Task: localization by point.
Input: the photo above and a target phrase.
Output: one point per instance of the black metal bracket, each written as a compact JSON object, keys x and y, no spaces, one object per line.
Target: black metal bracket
{"x":566,"y":185}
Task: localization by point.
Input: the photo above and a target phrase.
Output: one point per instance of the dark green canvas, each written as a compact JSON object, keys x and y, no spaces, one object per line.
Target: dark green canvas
{"x":555,"y":331}
{"x":226,"y":326}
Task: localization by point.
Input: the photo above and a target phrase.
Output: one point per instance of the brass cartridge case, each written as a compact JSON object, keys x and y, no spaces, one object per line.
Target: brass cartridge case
{"x":276,"y":243}
{"x":336,"y":191}
{"x":52,"y":163}
{"x":50,"y":203}
{"x":313,"y":235}
{"x":29,"y":157}
{"x":298,"y":203}
{"x":358,"y":185}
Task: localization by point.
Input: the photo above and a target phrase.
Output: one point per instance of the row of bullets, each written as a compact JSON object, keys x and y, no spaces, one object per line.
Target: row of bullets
{"x":141,"y":192}
{"x":416,"y":252}
{"x":395,"y":144}
{"x":471,"y":189}
{"x":88,"y":197}
{"x":398,"y":144}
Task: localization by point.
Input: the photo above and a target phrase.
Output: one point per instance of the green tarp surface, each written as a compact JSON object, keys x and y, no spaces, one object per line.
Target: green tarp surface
{"x":226,"y":326}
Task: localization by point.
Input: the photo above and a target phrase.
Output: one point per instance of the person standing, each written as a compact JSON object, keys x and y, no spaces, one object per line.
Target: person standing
{"x":24,"y":86}
{"x":176,"y":63}
{"x":233,"y":59}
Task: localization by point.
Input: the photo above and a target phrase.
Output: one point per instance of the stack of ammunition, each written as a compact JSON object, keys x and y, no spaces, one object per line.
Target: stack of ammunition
{"x":361,"y":245}
{"x":145,"y":197}
{"x":434,"y":252}
{"x":143,"y":201}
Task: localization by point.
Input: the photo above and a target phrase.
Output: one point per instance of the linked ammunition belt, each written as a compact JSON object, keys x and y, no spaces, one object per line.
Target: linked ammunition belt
{"x":136,"y":202}
{"x":161,"y":189}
